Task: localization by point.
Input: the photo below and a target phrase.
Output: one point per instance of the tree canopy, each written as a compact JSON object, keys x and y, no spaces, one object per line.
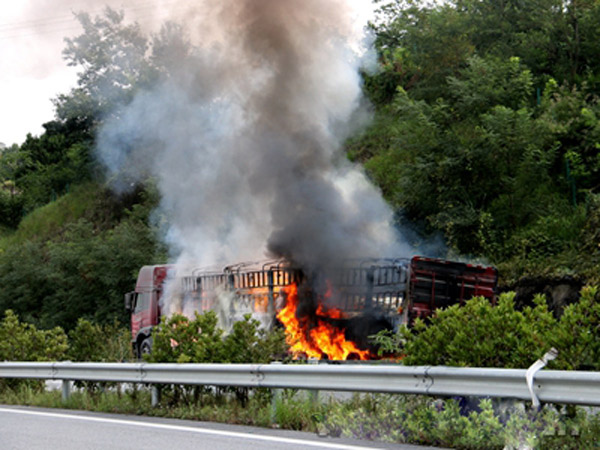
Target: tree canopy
{"x":490,"y":113}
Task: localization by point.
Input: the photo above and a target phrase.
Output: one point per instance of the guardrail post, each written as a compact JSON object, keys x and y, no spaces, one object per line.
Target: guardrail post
{"x":275,"y":399}
{"x":155,"y":395}
{"x":66,"y":390}
{"x":313,"y":394}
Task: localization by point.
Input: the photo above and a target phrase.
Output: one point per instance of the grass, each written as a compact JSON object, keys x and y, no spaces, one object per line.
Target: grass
{"x":391,"y":418}
{"x":5,"y":236}
{"x":50,"y":219}
{"x":188,"y":403}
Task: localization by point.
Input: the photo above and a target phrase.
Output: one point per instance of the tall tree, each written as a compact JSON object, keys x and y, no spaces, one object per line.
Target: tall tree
{"x":113,"y":57}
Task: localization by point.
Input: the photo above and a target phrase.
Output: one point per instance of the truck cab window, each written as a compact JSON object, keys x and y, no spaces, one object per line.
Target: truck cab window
{"x":143,"y":302}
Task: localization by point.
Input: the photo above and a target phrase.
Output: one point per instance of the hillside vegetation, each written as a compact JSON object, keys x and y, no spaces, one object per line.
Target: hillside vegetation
{"x":487,"y":129}
{"x":485,"y":135}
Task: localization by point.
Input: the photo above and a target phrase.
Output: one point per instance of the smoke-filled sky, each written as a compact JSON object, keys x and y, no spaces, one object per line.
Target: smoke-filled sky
{"x":32,"y":70}
{"x":244,"y":138}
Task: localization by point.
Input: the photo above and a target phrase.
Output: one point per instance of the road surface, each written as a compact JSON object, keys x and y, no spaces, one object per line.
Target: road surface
{"x":23,"y":428}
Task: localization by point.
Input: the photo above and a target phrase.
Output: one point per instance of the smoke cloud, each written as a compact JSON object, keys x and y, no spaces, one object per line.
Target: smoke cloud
{"x":244,"y":136}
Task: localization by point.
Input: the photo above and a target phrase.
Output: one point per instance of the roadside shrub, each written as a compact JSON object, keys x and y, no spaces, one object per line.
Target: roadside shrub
{"x":24,"y":342}
{"x":297,"y":410}
{"x":180,"y":339}
{"x":480,"y":334}
{"x":248,"y":343}
{"x":577,"y":336}
{"x":99,"y":343}
{"x":442,"y":423}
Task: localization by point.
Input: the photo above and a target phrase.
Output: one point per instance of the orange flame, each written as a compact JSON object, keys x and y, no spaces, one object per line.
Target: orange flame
{"x":321,"y":340}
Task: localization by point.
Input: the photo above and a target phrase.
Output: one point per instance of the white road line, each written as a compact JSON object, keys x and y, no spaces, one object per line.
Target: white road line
{"x":162,"y":426}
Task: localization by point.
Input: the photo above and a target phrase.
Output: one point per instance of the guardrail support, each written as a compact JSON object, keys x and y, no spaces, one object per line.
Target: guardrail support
{"x":155,"y":395}
{"x":313,"y":394}
{"x":276,"y":398}
{"x":66,"y":390}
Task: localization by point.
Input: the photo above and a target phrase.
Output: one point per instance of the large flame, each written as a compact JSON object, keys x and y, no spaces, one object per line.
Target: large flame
{"x":316,"y":341}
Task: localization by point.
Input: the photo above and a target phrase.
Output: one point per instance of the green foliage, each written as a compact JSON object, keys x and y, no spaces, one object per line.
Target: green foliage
{"x":51,"y":163}
{"x":490,"y":125}
{"x":24,"y":342}
{"x":477,"y":154}
{"x":488,"y":82}
{"x":479,"y":334}
{"x":50,"y":220}
{"x":179,"y":339}
{"x":23,"y":275}
{"x":419,"y":47}
{"x":80,"y":273}
{"x":102,"y":343}
{"x":199,"y":340}
{"x":11,"y":203}
{"x":298,"y":410}
{"x":248,"y":342}
{"x":112,"y":56}
{"x":449,"y":426}
{"x":590,"y":240}
{"x":443,"y":423}
{"x":42,"y":169}
{"x":555,"y":237}
{"x":578,"y":332}
{"x":11,"y":207}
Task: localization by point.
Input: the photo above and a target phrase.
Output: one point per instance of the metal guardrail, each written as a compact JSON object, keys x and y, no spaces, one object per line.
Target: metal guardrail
{"x":572,"y":387}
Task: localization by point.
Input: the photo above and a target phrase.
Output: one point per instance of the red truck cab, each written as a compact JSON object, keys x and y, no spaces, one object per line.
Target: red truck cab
{"x":144,"y":304}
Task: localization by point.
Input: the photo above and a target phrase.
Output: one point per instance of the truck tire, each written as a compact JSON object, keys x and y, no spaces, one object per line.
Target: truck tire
{"x":145,"y":347}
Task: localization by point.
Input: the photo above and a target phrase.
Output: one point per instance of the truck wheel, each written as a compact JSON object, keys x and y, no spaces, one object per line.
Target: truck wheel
{"x":145,"y":348}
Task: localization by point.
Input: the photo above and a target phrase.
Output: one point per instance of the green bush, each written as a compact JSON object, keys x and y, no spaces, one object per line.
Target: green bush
{"x":24,"y":342}
{"x":180,"y":339}
{"x":200,"y":340}
{"x":72,"y":259}
{"x":99,"y":343}
{"x":430,"y":421}
{"x":577,"y":336}
{"x":480,"y":334}
{"x":248,"y":343}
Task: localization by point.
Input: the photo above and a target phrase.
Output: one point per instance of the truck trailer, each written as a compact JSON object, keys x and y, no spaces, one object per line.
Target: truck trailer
{"x":375,"y":293}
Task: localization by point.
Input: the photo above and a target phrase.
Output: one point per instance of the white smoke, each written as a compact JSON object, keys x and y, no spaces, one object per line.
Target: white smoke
{"x":245,"y":135}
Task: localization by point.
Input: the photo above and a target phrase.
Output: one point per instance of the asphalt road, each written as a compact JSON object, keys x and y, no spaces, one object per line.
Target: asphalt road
{"x":23,"y":428}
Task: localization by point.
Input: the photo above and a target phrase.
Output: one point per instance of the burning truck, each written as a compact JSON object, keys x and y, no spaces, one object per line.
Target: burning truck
{"x":327,"y":314}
